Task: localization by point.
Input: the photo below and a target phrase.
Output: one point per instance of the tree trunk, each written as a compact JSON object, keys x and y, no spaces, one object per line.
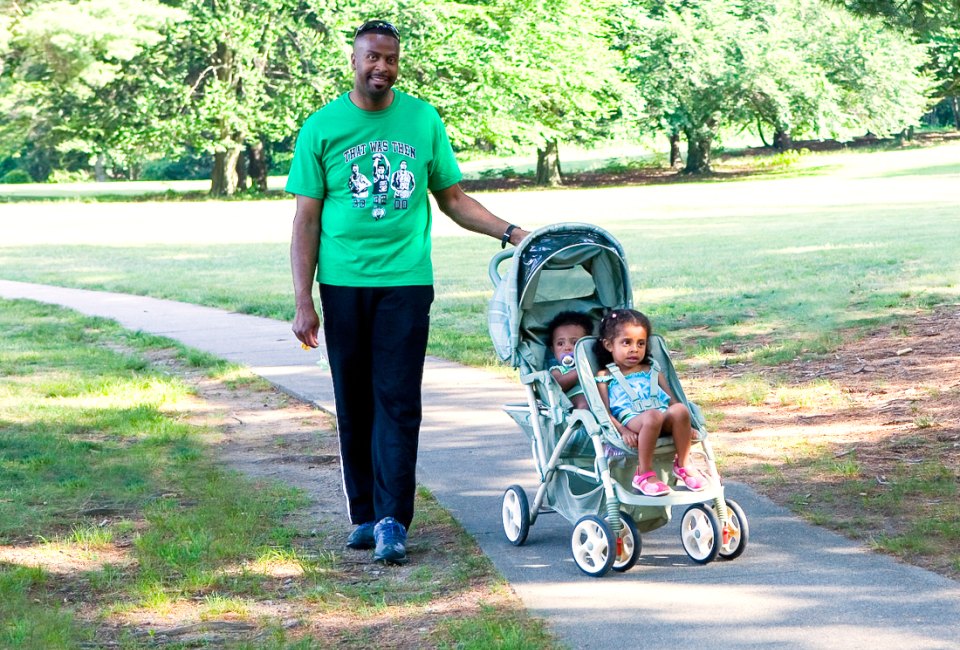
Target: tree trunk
{"x":100,"y":169}
{"x":904,"y":136}
{"x":257,"y":161}
{"x":782,"y":140}
{"x":760,"y":133}
{"x":241,"y":172}
{"x":224,"y":178}
{"x":675,"y":160}
{"x":699,"y":142}
{"x":548,"y":165}
{"x":955,"y":105}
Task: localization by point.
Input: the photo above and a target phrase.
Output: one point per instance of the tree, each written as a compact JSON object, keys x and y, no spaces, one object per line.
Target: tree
{"x":67,"y":86}
{"x":797,"y":67}
{"x":685,"y":60}
{"x":253,"y":71}
{"x":934,"y":23}
{"x":813,"y":70}
{"x":559,"y":75}
{"x":511,"y":75}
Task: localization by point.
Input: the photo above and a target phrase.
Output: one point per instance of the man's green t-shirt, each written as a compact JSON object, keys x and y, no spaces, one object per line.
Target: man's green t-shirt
{"x":372,"y":170}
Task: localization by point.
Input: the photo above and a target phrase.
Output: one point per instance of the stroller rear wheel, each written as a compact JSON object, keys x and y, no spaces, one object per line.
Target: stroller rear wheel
{"x":515,"y":512}
{"x":628,"y":545}
{"x":700,"y":533}
{"x":593,"y":545}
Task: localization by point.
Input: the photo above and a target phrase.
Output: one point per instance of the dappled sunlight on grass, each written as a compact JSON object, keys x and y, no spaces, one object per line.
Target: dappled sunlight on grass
{"x":467,"y":296}
{"x":62,"y":557}
{"x":819,"y":393}
{"x":217,"y":606}
{"x":657,"y":295}
{"x":153,"y":392}
{"x":180,"y":256}
{"x":751,"y":389}
{"x":802,"y":250}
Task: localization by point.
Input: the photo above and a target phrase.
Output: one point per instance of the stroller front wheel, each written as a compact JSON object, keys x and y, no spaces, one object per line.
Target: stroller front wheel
{"x":700,"y":533}
{"x":593,"y":545}
{"x":515,"y":513}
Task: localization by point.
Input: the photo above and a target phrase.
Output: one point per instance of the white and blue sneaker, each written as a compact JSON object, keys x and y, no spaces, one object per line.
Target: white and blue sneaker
{"x":391,"y":541}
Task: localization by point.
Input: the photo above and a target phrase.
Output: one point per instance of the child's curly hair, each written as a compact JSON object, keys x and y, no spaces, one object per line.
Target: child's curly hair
{"x":569,"y":318}
{"x":610,"y":326}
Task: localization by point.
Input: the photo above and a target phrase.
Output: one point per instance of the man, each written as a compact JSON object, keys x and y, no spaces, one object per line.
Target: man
{"x":375,"y":275}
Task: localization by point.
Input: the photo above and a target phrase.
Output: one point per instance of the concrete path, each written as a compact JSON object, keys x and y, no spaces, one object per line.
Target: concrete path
{"x":797,"y":586}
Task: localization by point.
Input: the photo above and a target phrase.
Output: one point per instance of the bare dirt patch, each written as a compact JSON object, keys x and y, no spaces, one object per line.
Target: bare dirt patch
{"x":878,"y":456}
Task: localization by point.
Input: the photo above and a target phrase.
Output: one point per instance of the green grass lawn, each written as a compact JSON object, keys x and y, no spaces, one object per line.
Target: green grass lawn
{"x":94,"y":463}
{"x":772,"y":267}
{"x":773,"y":284}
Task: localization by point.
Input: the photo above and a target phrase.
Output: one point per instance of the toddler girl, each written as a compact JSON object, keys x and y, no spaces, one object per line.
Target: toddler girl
{"x":641,"y":409}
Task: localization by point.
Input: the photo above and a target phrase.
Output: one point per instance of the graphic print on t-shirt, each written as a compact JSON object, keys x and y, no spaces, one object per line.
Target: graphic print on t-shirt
{"x":359,"y":184}
{"x":402,"y":182}
{"x":381,"y":181}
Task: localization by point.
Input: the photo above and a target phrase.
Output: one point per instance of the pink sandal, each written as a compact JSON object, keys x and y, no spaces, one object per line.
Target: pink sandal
{"x":648,"y":485}
{"x":693,"y":483}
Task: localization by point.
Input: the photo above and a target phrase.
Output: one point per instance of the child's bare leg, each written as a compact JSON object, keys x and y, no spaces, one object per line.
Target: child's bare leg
{"x":676,"y":421}
{"x":647,"y":426}
{"x":579,"y":402}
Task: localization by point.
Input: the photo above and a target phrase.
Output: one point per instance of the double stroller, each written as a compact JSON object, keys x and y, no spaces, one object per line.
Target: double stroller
{"x":583,"y":465}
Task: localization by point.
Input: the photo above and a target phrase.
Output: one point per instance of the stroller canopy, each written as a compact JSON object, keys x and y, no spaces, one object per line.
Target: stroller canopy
{"x":562,"y":267}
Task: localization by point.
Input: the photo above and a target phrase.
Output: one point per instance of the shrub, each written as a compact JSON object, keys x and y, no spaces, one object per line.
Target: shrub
{"x":190,"y":167}
{"x":66,"y":176}
{"x":16,"y":176}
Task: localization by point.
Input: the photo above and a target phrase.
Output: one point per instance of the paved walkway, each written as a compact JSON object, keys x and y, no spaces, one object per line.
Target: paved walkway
{"x":796,"y":586}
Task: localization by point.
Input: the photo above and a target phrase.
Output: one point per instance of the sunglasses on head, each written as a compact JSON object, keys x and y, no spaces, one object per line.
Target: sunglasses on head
{"x":380,"y":26}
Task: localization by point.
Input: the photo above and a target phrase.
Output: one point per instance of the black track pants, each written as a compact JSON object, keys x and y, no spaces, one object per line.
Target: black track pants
{"x":376,"y":342}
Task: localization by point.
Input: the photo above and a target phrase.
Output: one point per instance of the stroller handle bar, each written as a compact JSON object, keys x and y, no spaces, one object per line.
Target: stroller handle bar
{"x":494,"y":271}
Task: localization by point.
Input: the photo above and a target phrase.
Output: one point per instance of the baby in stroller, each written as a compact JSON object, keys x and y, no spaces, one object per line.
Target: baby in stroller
{"x":563,"y":332}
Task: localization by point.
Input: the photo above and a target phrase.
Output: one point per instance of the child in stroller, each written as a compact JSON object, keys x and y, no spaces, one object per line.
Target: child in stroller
{"x":639,"y":399}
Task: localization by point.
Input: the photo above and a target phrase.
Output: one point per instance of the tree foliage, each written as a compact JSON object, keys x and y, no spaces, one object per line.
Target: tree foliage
{"x":935,"y":24}
{"x":74,"y":84}
{"x":109,"y":84}
{"x":251,"y":70}
{"x":686,"y":63}
{"x":797,"y":67}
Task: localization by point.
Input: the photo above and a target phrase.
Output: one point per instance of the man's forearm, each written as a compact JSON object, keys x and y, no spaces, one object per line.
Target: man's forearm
{"x":470,"y":214}
{"x":304,"y":249}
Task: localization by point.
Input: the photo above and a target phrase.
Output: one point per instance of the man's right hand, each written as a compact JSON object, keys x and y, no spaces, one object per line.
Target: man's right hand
{"x":306,"y":326}
{"x":304,"y":251}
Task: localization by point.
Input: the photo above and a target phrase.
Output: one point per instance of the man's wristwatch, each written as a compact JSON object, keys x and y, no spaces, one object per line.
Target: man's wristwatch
{"x":506,"y":235}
